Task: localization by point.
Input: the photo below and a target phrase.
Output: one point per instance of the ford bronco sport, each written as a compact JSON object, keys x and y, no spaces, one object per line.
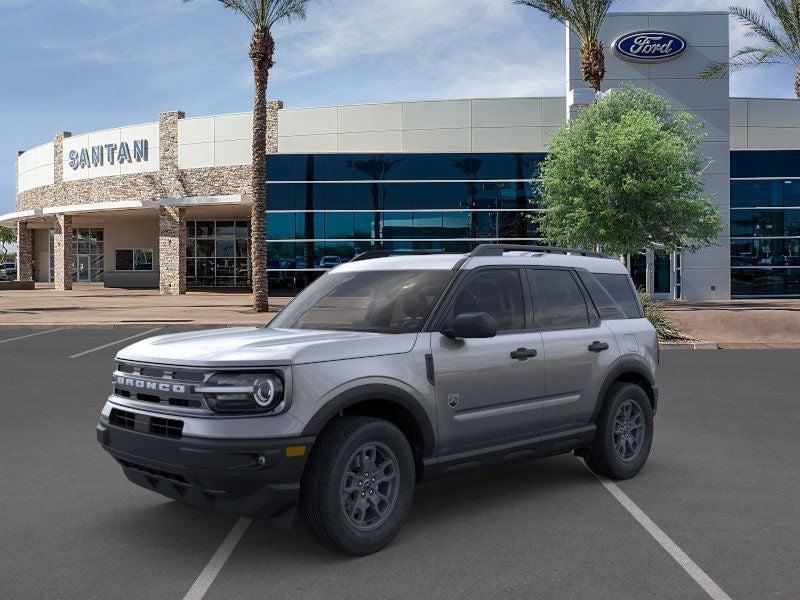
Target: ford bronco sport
{"x":389,"y":371}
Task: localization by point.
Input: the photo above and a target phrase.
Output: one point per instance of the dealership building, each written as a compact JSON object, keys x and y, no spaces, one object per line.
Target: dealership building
{"x":167,"y":204}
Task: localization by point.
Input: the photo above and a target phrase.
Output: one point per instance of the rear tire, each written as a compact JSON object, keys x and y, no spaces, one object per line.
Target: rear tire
{"x":344,"y":505}
{"x":624,"y":433}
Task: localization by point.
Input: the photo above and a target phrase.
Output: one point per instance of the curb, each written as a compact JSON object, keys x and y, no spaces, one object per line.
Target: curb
{"x":689,"y":345}
{"x":117,"y":325}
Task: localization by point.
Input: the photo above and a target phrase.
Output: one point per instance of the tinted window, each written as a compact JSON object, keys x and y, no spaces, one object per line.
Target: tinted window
{"x":619,"y":287}
{"x":559,"y":300}
{"x":376,"y":301}
{"x":605,"y":304}
{"x":497,"y":292}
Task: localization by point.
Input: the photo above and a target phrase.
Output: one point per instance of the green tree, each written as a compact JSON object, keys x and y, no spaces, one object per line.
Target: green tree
{"x":778,"y":36}
{"x":263,"y":15}
{"x":8,"y":236}
{"x":584,"y":19}
{"x":625,"y":176}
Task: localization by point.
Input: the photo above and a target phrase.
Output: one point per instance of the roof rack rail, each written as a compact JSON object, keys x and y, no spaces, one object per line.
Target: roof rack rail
{"x":370,"y":254}
{"x":499,"y":249}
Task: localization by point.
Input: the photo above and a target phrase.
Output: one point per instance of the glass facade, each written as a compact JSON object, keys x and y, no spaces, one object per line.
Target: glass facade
{"x":326,"y":208}
{"x":765,"y":223}
{"x":217,"y":254}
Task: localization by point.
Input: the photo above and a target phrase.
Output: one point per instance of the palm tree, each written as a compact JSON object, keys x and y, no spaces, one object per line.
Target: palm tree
{"x":262,"y":15}
{"x":780,"y":42}
{"x":584,"y":19}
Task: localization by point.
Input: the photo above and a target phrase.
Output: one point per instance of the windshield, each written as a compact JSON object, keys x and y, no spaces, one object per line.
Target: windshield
{"x":376,"y":301}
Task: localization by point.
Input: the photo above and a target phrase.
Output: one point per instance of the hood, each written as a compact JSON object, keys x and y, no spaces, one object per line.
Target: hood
{"x":259,"y":346}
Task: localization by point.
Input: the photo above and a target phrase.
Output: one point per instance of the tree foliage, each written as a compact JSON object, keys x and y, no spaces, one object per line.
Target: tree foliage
{"x":778,"y":40}
{"x":625,"y":176}
{"x":8,"y":236}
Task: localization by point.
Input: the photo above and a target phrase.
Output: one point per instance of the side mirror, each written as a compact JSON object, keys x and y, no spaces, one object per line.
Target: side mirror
{"x":472,"y":325}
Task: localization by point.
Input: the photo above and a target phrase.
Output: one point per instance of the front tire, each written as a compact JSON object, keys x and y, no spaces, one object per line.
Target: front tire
{"x":358,"y":485}
{"x":624,"y":433}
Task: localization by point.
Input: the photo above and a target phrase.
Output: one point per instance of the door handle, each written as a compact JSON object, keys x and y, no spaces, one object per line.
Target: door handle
{"x":523,"y":354}
{"x":596,"y":346}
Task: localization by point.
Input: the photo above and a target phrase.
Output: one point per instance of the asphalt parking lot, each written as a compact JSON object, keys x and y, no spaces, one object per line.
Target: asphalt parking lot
{"x":722,"y":483}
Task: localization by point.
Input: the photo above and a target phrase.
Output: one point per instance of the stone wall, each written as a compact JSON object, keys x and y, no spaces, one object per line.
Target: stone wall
{"x":172,"y":250}
{"x":24,"y":252}
{"x":62,"y":251}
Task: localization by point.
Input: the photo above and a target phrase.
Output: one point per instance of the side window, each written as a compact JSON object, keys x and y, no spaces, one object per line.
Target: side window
{"x":620,"y":288}
{"x":559,"y":300}
{"x":606,"y":305}
{"x":497,"y":292}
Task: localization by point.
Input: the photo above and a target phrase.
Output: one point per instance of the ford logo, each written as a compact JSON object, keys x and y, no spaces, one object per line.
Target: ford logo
{"x":649,"y":46}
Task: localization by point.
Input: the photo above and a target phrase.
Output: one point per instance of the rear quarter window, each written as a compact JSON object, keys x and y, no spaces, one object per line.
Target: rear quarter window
{"x":618,"y":286}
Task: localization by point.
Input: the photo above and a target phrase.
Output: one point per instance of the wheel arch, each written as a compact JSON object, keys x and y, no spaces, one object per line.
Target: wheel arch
{"x":387,"y":402}
{"x":630,"y":371}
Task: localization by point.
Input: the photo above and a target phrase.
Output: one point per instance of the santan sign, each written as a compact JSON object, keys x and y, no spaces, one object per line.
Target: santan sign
{"x":649,"y":46}
{"x":97,"y":156}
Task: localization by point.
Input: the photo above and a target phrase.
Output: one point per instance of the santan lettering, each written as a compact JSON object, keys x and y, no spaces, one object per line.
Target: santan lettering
{"x":97,"y":156}
{"x":644,"y":44}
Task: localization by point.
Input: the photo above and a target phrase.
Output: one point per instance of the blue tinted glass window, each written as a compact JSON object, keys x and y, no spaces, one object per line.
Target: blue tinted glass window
{"x":513,"y":224}
{"x":426,"y":166}
{"x":396,"y":196}
{"x":366,"y":196}
{"x":463,"y":166}
{"x":427,"y":225}
{"x":486,"y":224}
{"x":426,"y":195}
{"x":397,"y":225}
{"x":790,"y":165}
{"x":455,"y":195}
{"x":791,"y":192}
{"x":281,"y":167}
{"x":526,"y":166}
{"x":456,"y":224}
{"x":768,"y":193}
{"x":515,"y":195}
{"x":741,"y":222}
{"x":742,"y":164}
{"x":741,"y":194}
{"x":310,"y":167}
{"x":487,"y":194}
{"x":309,"y":225}
{"x":339,"y":196}
{"x":399,"y":166}
{"x":339,"y":225}
{"x":768,"y":163}
{"x":367,"y":225}
{"x":280,"y":226}
{"x":342,"y":250}
{"x":282,"y":196}
{"x":791,"y":222}
{"x":768,"y":222}
{"x":311,"y":196}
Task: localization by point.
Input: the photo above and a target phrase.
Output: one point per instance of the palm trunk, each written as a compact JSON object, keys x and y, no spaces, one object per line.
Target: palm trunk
{"x":797,"y":84}
{"x":593,"y":64}
{"x":261,"y":51}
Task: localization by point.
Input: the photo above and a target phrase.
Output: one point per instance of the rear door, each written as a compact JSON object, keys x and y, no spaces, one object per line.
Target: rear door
{"x":488,"y":390}
{"x":578,"y":347}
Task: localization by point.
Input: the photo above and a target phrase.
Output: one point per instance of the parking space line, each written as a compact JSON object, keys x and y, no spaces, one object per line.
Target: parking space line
{"x":687,"y":564}
{"x":214,"y":566}
{"x":79,"y":354}
{"x":22,"y":337}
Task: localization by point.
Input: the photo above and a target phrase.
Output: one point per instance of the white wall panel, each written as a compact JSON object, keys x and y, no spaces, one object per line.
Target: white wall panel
{"x":233,"y":127}
{"x":554,"y":111}
{"x":371,"y":141}
{"x":298,"y":144}
{"x":507,"y":139}
{"x":307,"y":121}
{"x":763,"y":112}
{"x":717,"y":124}
{"x":507,"y":112}
{"x":195,"y":156}
{"x":739,"y":138}
{"x":233,"y":152}
{"x":766,"y":138}
{"x":738,"y":109}
{"x":370,"y":117}
{"x":698,"y":29}
{"x":196,"y":131}
{"x":443,"y":114}
{"x":437,"y":140}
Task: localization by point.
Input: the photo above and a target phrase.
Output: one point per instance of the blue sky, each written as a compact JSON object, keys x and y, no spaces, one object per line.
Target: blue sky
{"x":84,"y":65}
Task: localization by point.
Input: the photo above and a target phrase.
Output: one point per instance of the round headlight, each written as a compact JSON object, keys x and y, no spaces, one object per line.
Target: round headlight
{"x":268,"y":391}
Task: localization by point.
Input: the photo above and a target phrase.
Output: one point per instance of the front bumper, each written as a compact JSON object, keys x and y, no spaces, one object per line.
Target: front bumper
{"x":255,"y":478}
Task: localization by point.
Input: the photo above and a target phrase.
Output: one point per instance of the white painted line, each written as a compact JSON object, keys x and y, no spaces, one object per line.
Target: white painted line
{"x":114,"y":343}
{"x":214,"y":566}
{"x":695,"y":572}
{"x":22,"y":337}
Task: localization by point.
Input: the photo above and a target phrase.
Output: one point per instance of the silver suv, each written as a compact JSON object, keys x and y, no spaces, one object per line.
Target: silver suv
{"x":386,"y":372}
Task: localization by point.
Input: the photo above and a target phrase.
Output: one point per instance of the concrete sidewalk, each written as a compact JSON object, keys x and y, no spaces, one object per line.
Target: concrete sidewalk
{"x":740,"y":323}
{"x":90,"y":305}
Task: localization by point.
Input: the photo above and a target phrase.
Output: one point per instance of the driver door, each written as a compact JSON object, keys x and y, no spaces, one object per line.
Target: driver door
{"x":484,"y":395}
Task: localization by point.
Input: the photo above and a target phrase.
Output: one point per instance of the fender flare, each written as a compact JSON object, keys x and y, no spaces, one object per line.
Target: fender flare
{"x":624,"y":365}
{"x":375,"y":391}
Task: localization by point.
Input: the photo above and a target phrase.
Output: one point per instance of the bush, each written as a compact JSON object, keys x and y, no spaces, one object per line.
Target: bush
{"x":665,"y":327}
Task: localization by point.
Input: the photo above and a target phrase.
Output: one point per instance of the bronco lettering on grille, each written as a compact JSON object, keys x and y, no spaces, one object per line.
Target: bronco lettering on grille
{"x":142,"y":384}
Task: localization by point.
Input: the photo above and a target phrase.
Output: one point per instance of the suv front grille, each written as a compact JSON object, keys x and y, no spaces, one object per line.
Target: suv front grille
{"x":125,"y":419}
{"x":160,"y":385}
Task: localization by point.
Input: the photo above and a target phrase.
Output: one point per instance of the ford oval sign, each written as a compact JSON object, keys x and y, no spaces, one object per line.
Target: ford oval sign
{"x":649,"y":46}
